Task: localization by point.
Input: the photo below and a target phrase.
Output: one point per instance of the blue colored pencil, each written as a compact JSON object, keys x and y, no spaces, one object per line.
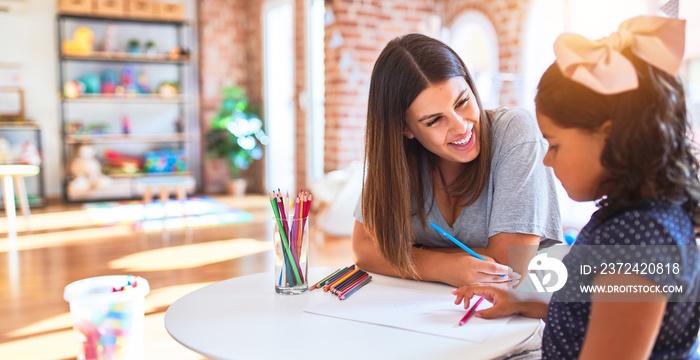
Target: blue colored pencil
{"x":351,"y":285}
{"x":344,"y":295}
{"x":455,"y":241}
{"x":337,"y":288}
{"x":458,"y":243}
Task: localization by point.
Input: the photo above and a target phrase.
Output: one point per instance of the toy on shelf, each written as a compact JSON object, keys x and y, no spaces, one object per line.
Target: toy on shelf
{"x":82,"y":42}
{"x":110,"y":80}
{"x":177,"y":53}
{"x":5,"y":151}
{"x":91,"y":82}
{"x":119,"y":163}
{"x":28,"y":153}
{"x":109,"y":44}
{"x":86,"y":171}
{"x":75,"y":128}
{"x":165,"y":161}
{"x":142,"y":83}
{"x":73,"y":89}
{"x":126,"y":125}
{"x":128,"y":80}
{"x":98,"y":128}
{"x":167,"y":89}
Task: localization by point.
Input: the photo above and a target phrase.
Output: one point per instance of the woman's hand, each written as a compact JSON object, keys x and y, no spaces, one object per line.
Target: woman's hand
{"x":497,"y":294}
{"x":466,"y":269}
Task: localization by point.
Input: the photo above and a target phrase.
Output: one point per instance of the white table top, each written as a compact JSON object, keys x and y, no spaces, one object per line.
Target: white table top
{"x":243,"y":318}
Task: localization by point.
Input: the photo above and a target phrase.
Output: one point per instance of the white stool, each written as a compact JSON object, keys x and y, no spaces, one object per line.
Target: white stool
{"x":13,"y":173}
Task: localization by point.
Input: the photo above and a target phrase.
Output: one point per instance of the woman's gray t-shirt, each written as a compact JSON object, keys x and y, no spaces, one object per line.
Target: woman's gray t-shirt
{"x":520,"y":196}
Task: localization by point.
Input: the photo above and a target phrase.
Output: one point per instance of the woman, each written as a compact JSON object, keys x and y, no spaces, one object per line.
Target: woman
{"x":433,"y":153}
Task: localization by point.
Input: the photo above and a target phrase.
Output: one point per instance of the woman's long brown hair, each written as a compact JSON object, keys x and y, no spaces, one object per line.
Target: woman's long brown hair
{"x":393,"y":188}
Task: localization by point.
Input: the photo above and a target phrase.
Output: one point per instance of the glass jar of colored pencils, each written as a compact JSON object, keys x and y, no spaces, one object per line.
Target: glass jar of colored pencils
{"x":291,"y":238}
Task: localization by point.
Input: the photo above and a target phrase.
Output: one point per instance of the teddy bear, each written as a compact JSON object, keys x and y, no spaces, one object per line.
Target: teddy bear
{"x":86,"y":171}
{"x":5,"y":151}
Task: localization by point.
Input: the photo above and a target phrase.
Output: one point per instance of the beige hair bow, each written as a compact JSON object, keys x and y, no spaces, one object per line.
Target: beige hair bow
{"x":600,"y":66}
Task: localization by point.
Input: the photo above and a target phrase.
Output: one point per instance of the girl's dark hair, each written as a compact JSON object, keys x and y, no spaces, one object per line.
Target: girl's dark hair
{"x":649,"y":153}
{"x":393,"y":189}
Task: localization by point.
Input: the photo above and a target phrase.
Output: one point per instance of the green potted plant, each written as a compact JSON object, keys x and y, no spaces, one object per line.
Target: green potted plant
{"x":236,"y":134}
{"x":133,"y":46}
{"x":150,"y":48}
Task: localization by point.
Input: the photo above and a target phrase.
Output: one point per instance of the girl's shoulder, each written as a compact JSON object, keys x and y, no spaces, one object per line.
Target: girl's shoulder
{"x":656,"y":223}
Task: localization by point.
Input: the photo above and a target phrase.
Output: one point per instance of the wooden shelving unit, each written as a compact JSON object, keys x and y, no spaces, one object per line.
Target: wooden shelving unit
{"x":157,"y":122}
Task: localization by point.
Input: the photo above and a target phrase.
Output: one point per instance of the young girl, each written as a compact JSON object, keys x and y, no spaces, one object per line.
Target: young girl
{"x":614,"y":115}
{"x":433,"y":154}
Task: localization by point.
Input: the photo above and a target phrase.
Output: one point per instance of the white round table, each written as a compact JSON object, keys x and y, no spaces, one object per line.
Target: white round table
{"x":243,"y":318}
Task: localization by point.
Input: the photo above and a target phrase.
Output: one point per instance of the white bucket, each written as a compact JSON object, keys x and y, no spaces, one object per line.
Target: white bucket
{"x":109,"y":323}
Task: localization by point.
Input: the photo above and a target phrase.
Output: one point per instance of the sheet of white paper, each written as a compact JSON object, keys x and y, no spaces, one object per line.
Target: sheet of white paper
{"x":421,"y":311}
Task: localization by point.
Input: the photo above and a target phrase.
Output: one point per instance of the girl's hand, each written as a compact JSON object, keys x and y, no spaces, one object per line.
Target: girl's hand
{"x":497,"y":294}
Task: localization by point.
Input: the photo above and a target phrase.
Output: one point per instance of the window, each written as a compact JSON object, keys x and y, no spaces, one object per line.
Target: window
{"x":474,"y":39}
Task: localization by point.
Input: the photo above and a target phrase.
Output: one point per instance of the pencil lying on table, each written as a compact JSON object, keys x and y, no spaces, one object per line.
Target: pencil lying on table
{"x":323,"y":281}
{"x":470,"y":312}
{"x":345,"y":294}
{"x":343,"y":282}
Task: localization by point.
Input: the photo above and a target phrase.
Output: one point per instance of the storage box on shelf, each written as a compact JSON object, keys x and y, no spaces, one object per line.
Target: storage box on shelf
{"x":140,"y":9}
{"x":75,"y":6}
{"x":110,"y":7}
{"x":131,"y":126}
{"x":168,"y":10}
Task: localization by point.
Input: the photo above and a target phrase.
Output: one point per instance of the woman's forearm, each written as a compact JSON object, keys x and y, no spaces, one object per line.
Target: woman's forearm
{"x":368,"y":257}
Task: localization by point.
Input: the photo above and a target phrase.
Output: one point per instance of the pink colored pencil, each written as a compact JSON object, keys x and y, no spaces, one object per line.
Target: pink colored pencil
{"x":470,"y":312}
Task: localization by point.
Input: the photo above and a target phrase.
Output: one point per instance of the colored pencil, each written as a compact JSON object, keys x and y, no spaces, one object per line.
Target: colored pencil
{"x":337,"y":276}
{"x":314,"y":286}
{"x":470,"y":312}
{"x":346,"y":294}
{"x":286,"y":201}
{"x":285,"y":243}
{"x":455,"y":241}
{"x":336,"y":289}
{"x":458,"y":243}
{"x":328,"y":286}
{"x":275,"y":210}
{"x":339,"y":290}
{"x":298,"y":216}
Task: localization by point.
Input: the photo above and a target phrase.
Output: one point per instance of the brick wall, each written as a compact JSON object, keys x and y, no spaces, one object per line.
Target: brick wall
{"x":230,"y":55}
{"x":300,"y":87}
{"x":508,"y":18}
{"x":357,"y":36}
{"x":353,"y":42}
{"x":254,"y":83}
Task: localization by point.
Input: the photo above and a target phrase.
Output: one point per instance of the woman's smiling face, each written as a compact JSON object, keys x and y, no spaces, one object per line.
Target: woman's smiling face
{"x":444,"y":118}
